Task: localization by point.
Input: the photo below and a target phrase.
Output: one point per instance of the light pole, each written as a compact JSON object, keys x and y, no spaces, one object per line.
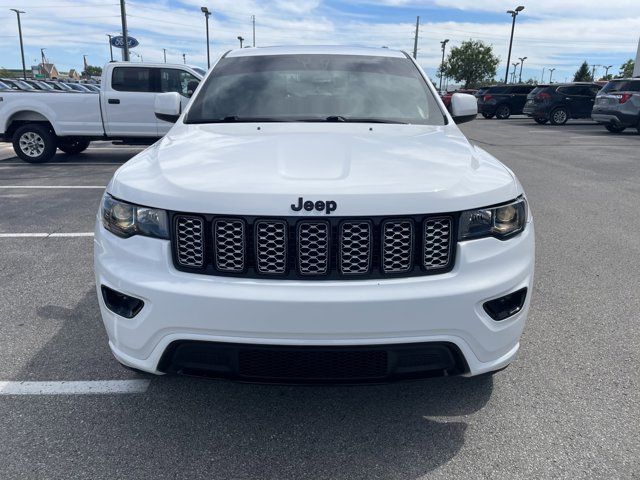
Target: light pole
{"x":522,"y":59}
{"x":513,"y":74}
{"x":443,"y":44}
{"x":24,"y":69}
{"x":164,"y":53}
{"x":514,"y":14}
{"x":253,"y":21}
{"x":125,"y":34}
{"x":542,"y":77}
{"x":110,"y":47}
{"x":184,"y":58}
{"x":207,"y":14}
{"x":43,"y":60}
{"x":241,"y":40}
{"x":551,"y":74}
{"x":606,"y":70}
{"x":593,"y":71}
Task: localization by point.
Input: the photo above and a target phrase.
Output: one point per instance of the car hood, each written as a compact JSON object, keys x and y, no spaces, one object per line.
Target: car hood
{"x":262,"y":169}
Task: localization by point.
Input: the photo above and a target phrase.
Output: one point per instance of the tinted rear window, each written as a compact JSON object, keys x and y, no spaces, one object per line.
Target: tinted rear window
{"x":131,"y":79}
{"x":497,"y":90}
{"x":622,"y":86}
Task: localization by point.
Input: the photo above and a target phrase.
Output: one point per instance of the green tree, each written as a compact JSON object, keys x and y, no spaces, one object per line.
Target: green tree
{"x":583,"y":74}
{"x":626,"y":69}
{"x":92,"y":70}
{"x":472,"y":63}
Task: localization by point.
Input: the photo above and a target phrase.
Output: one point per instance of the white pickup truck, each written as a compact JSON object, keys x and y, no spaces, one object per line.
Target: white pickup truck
{"x":124,"y":111}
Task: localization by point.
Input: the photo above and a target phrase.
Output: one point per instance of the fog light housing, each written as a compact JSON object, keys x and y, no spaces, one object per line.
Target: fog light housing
{"x":507,"y":306}
{"x":121,"y":304}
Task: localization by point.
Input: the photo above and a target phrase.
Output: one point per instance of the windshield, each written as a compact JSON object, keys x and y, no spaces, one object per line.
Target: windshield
{"x":622,"y":86}
{"x":312,"y":87}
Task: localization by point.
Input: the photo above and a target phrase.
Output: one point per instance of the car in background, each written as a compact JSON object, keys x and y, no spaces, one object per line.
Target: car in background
{"x":93,"y":88}
{"x":617,"y":105}
{"x":502,"y":101}
{"x":4,"y":86}
{"x":77,"y":87}
{"x":560,"y":102}
{"x":39,"y":85}
{"x":17,"y":84}
{"x":481,"y":91}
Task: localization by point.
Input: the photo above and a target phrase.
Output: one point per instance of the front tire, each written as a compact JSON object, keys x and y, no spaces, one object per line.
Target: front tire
{"x":35,"y":143}
{"x":540,"y":121}
{"x":503,"y":112}
{"x":487,"y":115}
{"x":73,"y":146}
{"x":559,"y":116}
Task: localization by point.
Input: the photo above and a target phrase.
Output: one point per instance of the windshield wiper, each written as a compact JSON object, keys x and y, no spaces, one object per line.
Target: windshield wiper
{"x":237,"y":119}
{"x":342,"y":118}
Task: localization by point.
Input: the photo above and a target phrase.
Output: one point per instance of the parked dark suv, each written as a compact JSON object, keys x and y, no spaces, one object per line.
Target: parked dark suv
{"x":618,"y":105}
{"x":503,"y":101}
{"x":558,"y":103}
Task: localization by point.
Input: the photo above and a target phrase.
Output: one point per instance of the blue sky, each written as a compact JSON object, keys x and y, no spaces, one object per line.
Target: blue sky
{"x":70,"y":28}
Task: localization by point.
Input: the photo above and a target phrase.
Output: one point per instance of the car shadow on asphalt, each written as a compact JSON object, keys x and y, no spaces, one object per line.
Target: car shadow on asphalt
{"x":400,"y":430}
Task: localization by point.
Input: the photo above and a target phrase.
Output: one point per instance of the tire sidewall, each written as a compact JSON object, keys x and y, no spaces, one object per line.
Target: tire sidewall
{"x":46,"y":134}
{"x":552,"y":117}
{"x":72,"y":147}
{"x":503,"y":112}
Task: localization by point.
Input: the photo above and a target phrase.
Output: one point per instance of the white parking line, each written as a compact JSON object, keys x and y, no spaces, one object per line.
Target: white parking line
{"x":46,"y":235}
{"x":74,"y":388}
{"x":8,"y":187}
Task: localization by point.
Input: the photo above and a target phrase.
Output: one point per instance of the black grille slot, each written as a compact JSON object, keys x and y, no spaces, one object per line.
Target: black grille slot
{"x":397,"y":246}
{"x":229,"y":239}
{"x":356,"y":243}
{"x":189,"y":243}
{"x":437,"y":242}
{"x":313,"y":364}
{"x":271,"y":246}
{"x":314,"y":248}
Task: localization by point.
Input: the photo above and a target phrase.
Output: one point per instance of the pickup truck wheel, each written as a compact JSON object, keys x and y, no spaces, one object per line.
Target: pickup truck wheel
{"x":503,"y":112}
{"x":34,"y":143}
{"x":73,"y":146}
{"x":541,"y":121}
{"x":559,"y":116}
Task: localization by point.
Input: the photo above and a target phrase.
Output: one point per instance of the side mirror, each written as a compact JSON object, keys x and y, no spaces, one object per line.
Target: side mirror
{"x":464,"y":107}
{"x":167,"y":106}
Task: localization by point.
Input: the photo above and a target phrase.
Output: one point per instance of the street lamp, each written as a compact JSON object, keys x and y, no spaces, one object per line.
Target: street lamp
{"x":43,"y":60}
{"x":443,"y":45}
{"x":241,"y":40}
{"x":164,"y":53}
{"x":110,"y":47}
{"x":513,"y":74}
{"x":24,"y":69}
{"x":522,"y":59}
{"x":207,"y":14}
{"x":606,"y":70}
{"x":514,"y":14}
{"x":551,"y":70}
{"x":184,"y":58}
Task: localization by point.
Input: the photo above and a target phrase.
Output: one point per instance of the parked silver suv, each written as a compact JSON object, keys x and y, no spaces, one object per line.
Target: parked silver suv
{"x":617,"y":105}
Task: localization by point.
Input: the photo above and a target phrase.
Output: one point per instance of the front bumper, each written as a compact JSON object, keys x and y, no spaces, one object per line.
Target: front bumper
{"x":444,"y":308}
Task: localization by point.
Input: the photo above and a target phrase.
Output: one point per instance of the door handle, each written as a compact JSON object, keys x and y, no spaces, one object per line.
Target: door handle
{"x":114,"y":101}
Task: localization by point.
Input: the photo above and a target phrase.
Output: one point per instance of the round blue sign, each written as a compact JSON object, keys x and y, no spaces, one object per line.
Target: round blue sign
{"x":118,"y":42}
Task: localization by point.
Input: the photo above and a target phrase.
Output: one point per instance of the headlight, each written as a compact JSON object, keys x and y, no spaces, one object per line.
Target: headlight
{"x":125,"y":219}
{"x":500,"y":222}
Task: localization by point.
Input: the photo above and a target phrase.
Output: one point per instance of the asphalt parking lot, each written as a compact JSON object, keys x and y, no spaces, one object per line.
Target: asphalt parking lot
{"x":567,"y":408}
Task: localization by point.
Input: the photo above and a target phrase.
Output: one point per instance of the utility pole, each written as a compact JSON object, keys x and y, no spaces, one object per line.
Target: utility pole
{"x":24,"y":69}
{"x":514,"y":14}
{"x":253,"y":21}
{"x":542,"y":77}
{"x":522,"y":59}
{"x":207,"y":14}
{"x":551,"y":74}
{"x":110,"y":47}
{"x":125,"y":35}
{"x":164,"y":52}
{"x":415,"y":40}
{"x":443,"y":44}
{"x":593,"y":71}
{"x":184,"y":58}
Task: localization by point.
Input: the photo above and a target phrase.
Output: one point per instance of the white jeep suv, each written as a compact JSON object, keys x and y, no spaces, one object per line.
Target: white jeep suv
{"x":314,"y":214}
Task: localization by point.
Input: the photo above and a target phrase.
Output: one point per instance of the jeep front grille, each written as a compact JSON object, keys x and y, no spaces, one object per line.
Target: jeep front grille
{"x":314,"y":249}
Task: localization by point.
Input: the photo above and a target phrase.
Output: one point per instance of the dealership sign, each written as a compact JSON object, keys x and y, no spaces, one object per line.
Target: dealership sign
{"x":118,"y":42}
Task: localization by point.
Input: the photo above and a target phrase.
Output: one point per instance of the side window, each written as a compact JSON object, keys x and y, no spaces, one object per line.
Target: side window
{"x":131,"y":79}
{"x":570,"y":90}
{"x":181,"y":81}
{"x":522,"y":90}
